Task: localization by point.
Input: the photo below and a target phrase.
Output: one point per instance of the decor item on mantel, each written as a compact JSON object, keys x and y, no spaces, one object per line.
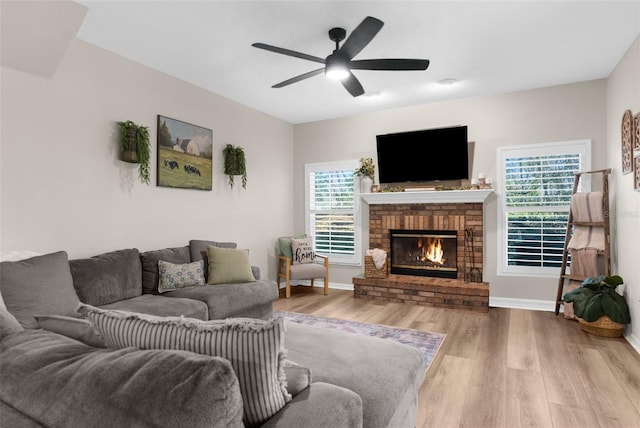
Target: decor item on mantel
{"x":598,"y":307}
{"x":366,"y":172}
{"x":135,"y":147}
{"x":235,"y":164}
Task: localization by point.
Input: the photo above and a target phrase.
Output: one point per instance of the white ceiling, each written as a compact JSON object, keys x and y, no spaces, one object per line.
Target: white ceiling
{"x":488,"y":46}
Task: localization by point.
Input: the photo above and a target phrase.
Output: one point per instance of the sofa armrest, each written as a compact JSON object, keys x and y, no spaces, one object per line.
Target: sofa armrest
{"x":320,"y":405}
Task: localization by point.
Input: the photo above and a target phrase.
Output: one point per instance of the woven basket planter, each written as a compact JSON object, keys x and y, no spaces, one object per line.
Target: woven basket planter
{"x":370,"y":270}
{"x":603,"y":326}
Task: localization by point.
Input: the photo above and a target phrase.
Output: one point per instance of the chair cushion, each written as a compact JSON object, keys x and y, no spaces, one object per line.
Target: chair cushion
{"x":308,"y":271}
{"x":108,"y":277}
{"x":150,"y":272}
{"x":39,"y":285}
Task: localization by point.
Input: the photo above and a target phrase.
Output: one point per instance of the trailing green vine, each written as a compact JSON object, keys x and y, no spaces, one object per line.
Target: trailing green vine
{"x":235,"y":164}
{"x":135,"y":147}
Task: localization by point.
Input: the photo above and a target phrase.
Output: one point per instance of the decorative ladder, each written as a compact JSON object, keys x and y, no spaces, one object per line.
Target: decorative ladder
{"x":564,"y":276}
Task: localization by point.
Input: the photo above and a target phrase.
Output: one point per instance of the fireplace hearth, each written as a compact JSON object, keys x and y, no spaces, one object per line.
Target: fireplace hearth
{"x":430,"y":253}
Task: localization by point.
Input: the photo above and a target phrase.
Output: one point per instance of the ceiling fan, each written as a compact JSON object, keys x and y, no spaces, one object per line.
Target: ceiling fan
{"x":339,"y":64}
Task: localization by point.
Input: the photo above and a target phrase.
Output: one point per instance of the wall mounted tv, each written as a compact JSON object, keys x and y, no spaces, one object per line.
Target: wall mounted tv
{"x":429,"y":155}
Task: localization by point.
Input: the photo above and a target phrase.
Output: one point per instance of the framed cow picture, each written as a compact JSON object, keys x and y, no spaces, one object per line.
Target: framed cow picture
{"x":185,"y":155}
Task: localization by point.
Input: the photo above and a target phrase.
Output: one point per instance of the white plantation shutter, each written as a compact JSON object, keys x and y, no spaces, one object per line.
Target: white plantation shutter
{"x":536,"y":184}
{"x":332,"y":210}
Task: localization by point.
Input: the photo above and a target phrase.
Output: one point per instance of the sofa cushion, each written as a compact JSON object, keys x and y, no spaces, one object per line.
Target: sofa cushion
{"x":75,"y":328}
{"x":162,"y":307}
{"x":353,"y":361}
{"x":39,"y":285}
{"x":149,"y":259}
{"x":228,"y":266}
{"x":8,"y":323}
{"x":173,"y":276}
{"x":255,"y":349}
{"x":231,"y":300}
{"x":60,"y":382}
{"x":108,"y":277}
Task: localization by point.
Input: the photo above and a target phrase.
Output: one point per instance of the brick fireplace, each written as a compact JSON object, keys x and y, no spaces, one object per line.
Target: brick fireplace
{"x":445,"y":214}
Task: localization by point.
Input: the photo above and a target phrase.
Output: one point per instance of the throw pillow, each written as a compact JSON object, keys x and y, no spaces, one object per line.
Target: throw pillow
{"x":284,"y":244}
{"x":298,"y":377}
{"x":302,"y":250}
{"x":229,"y":266}
{"x":149,"y":259}
{"x":75,"y":328}
{"x":8,"y":323}
{"x":173,"y":276}
{"x":254,"y":347}
{"x":198,"y":250}
{"x":39,"y":285}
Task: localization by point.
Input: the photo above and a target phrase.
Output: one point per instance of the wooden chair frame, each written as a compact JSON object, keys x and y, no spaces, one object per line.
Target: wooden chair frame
{"x":284,"y":272}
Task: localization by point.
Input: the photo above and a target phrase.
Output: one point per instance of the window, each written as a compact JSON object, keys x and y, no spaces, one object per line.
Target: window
{"x":332,"y":210}
{"x":536,"y":184}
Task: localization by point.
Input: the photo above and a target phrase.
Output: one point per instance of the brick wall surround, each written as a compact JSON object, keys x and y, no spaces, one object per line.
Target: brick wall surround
{"x":451,"y":293}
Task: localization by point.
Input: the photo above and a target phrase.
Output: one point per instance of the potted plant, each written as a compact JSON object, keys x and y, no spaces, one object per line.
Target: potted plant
{"x":598,"y":307}
{"x":366,"y":173}
{"x":135,"y":147}
{"x":235,"y":164}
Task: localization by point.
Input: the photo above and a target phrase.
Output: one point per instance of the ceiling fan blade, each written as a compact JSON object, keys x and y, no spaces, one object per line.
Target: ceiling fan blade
{"x":298,"y":78}
{"x":288,"y":52}
{"x":390,"y":64}
{"x":361,"y":36}
{"x":352,"y":85}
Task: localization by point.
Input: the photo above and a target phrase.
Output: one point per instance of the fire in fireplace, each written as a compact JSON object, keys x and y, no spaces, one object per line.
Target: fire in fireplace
{"x":424,"y":252}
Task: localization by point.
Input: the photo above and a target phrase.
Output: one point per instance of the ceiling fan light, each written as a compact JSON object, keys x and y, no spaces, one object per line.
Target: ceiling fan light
{"x":336,"y":73}
{"x":336,"y":68}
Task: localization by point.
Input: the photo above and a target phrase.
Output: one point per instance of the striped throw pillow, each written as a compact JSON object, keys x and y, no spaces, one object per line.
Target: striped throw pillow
{"x":255,"y":349}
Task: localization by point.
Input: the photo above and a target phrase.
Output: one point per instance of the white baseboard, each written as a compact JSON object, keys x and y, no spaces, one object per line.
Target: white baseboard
{"x":320,"y":284}
{"x":530,"y":304}
{"x":633,"y":341}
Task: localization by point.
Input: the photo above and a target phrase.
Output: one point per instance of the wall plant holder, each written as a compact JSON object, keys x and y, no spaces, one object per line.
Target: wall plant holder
{"x":135,"y":147}
{"x":235,"y":164}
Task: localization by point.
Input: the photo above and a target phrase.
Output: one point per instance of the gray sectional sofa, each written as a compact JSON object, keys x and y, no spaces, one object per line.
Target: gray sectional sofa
{"x":53,"y":379}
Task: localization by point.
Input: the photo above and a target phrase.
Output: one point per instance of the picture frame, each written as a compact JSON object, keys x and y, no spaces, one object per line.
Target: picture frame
{"x":636,"y":134}
{"x":636,"y":173}
{"x":627,"y":142}
{"x":185,"y":155}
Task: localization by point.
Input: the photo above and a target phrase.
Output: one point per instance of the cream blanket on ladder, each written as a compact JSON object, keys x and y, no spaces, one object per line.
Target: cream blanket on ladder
{"x":587,"y":207}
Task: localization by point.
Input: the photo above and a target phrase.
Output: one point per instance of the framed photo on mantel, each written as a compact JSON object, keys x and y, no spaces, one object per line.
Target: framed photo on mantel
{"x":185,"y":155}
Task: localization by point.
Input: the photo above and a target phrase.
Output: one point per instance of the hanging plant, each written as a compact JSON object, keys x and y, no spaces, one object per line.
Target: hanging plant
{"x":135,"y":147}
{"x":235,"y":164}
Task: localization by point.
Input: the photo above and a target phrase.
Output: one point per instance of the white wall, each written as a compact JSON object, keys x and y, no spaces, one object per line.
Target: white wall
{"x":568,"y":112}
{"x":63,"y":187}
{"x":623,"y":93}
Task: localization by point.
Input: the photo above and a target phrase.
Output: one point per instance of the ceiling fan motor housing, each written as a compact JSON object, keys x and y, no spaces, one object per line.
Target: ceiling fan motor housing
{"x":337,"y":35}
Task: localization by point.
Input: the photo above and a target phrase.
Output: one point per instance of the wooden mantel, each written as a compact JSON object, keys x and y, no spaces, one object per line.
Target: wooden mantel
{"x":427,"y":197}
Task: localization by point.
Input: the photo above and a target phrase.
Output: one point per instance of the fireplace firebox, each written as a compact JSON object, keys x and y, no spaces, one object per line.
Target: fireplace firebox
{"x":424,"y":252}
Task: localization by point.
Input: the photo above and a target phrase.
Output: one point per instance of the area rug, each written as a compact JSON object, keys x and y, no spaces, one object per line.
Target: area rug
{"x":428,"y":343}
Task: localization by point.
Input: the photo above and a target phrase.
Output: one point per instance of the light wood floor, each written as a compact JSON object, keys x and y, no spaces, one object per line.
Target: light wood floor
{"x":508,"y":368}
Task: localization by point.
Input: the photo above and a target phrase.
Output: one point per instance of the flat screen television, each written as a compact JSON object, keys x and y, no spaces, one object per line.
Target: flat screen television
{"x":419,"y":156}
